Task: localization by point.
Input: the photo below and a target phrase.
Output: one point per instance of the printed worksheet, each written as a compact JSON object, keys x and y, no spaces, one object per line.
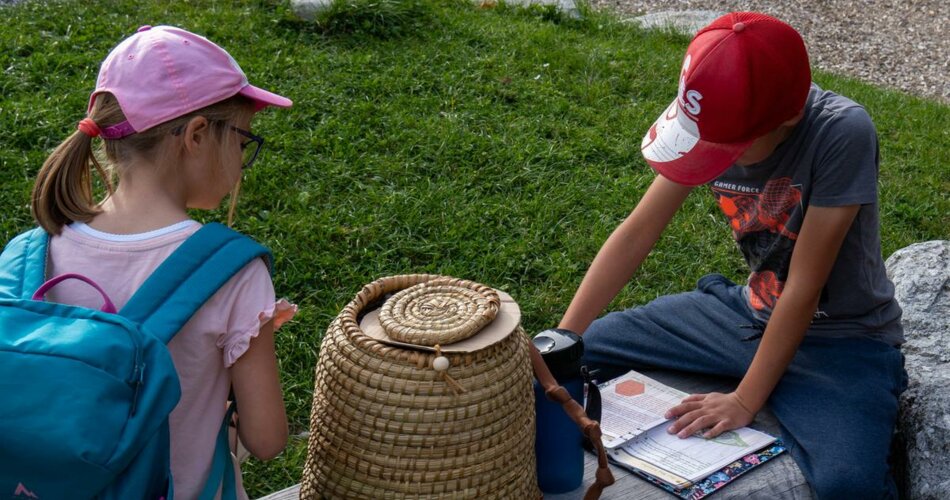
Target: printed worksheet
{"x":633,"y":404}
{"x":695,"y":457}
{"x":636,"y":438}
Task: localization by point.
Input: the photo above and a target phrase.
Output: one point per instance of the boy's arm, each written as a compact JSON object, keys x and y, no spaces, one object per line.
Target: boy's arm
{"x":623,"y":252}
{"x":816,"y":250}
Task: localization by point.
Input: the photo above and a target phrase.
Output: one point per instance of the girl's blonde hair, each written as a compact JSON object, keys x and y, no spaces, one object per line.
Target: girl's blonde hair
{"x":63,"y":191}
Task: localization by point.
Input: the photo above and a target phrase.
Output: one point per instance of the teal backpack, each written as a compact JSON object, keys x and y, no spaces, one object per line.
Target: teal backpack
{"x":85,"y":394}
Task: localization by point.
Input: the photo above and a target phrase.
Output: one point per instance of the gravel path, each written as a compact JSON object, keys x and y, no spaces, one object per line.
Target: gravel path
{"x":903,"y":44}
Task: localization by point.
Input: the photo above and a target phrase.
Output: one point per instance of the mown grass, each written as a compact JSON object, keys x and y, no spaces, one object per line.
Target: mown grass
{"x":499,"y":145}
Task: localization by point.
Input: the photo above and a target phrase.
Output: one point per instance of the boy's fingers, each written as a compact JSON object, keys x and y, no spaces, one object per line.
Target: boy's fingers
{"x":696,"y":425}
{"x":717,"y":430}
{"x":693,"y":397}
{"x":683,"y":421}
{"x":682,"y":409}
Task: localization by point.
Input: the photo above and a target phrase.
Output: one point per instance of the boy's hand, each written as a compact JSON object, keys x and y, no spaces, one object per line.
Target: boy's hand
{"x":714,"y":411}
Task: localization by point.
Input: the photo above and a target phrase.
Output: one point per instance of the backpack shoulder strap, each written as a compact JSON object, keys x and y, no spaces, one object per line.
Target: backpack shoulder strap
{"x":23,"y":264}
{"x":221,"y":475}
{"x":189,"y":277}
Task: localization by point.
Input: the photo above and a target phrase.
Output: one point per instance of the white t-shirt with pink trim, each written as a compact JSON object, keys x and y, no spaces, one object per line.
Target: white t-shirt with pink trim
{"x":209,"y":343}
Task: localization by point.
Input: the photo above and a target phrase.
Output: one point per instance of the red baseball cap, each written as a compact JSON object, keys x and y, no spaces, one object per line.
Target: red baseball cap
{"x":743,"y":76}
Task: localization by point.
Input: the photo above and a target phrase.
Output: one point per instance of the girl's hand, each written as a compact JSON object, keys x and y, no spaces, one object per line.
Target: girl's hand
{"x":714,"y":411}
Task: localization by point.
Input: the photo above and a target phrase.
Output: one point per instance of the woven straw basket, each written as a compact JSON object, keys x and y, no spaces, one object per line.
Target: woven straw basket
{"x":434,"y":400}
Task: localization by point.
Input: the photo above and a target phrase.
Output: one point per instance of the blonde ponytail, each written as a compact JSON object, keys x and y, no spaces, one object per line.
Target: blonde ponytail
{"x":63,"y":192}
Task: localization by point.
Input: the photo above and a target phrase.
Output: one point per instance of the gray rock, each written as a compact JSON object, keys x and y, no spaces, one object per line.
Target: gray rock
{"x":308,"y":9}
{"x":687,"y":22}
{"x":921,"y":276}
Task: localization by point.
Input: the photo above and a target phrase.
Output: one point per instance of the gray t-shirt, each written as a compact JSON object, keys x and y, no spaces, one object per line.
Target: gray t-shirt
{"x":830,"y":159}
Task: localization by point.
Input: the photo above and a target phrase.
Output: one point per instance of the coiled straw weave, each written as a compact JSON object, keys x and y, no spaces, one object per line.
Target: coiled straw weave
{"x":386,"y":424}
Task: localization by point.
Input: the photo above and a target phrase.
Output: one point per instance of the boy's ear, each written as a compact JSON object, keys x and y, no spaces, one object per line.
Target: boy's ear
{"x":196,"y":134}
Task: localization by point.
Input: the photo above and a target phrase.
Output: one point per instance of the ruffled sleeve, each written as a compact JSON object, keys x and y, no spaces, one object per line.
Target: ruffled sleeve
{"x":252,"y":301}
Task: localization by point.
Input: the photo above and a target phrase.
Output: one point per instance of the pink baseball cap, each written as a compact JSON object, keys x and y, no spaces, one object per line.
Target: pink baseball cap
{"x":743,"y":76}
{"x":163,"y":72}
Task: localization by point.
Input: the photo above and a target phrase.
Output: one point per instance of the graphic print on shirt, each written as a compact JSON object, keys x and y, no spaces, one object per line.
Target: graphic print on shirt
{"x":765,"y":224}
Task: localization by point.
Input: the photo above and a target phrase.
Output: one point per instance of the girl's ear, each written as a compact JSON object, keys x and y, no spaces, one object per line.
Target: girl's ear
{"x":196,"y":135}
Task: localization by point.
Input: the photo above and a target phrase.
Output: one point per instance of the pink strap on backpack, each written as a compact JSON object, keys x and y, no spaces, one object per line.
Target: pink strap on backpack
{"x":107,"y":306}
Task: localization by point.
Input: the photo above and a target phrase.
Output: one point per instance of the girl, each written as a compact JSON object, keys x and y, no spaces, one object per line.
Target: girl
{"x":174,"y":111}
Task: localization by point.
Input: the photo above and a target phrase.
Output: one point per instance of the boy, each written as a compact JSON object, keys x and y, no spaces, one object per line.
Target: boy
{"x":794,"y":168}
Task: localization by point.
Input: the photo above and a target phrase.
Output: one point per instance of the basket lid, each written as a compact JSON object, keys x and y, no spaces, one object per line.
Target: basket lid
{"x":505,"y":321}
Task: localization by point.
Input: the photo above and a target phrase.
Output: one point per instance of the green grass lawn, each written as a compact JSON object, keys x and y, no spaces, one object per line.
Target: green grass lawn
{"x":496,"y":145}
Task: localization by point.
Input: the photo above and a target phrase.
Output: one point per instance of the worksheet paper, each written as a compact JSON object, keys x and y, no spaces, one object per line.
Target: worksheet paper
{"x":633,"y":404}
{"x":694,"y":457}
{"x":636,"y":437}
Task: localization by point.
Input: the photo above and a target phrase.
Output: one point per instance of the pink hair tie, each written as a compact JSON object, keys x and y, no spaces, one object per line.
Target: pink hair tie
{"x":89,"y":127}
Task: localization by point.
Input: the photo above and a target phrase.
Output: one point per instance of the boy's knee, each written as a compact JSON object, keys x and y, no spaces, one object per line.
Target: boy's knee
{"x":595,"y":334}
{"x":600,"y":352}
{"x":597,"y":337}
{"x":594,"y":342}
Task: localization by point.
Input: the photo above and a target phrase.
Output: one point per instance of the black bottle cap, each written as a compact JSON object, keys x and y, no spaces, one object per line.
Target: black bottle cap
{"x":562,"y":351}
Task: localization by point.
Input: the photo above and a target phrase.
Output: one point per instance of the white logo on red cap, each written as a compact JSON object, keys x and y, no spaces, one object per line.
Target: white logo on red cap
{"x":689,"y":99}
{"x":692,"y":102}
{"x":671,"y":136}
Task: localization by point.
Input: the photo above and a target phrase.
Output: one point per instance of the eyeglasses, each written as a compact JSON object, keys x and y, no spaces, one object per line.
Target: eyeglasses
{"x":250,"y":154}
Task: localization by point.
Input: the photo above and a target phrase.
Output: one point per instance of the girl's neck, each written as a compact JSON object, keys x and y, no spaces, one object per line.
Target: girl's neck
{"x":144,"y":201}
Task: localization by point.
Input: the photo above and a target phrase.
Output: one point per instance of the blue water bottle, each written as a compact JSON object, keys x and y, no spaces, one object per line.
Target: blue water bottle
{"x":559,"y":442}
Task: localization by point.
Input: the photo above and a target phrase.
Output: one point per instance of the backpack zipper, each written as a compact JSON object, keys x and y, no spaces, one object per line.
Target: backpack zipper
{"x":138,"y":379}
